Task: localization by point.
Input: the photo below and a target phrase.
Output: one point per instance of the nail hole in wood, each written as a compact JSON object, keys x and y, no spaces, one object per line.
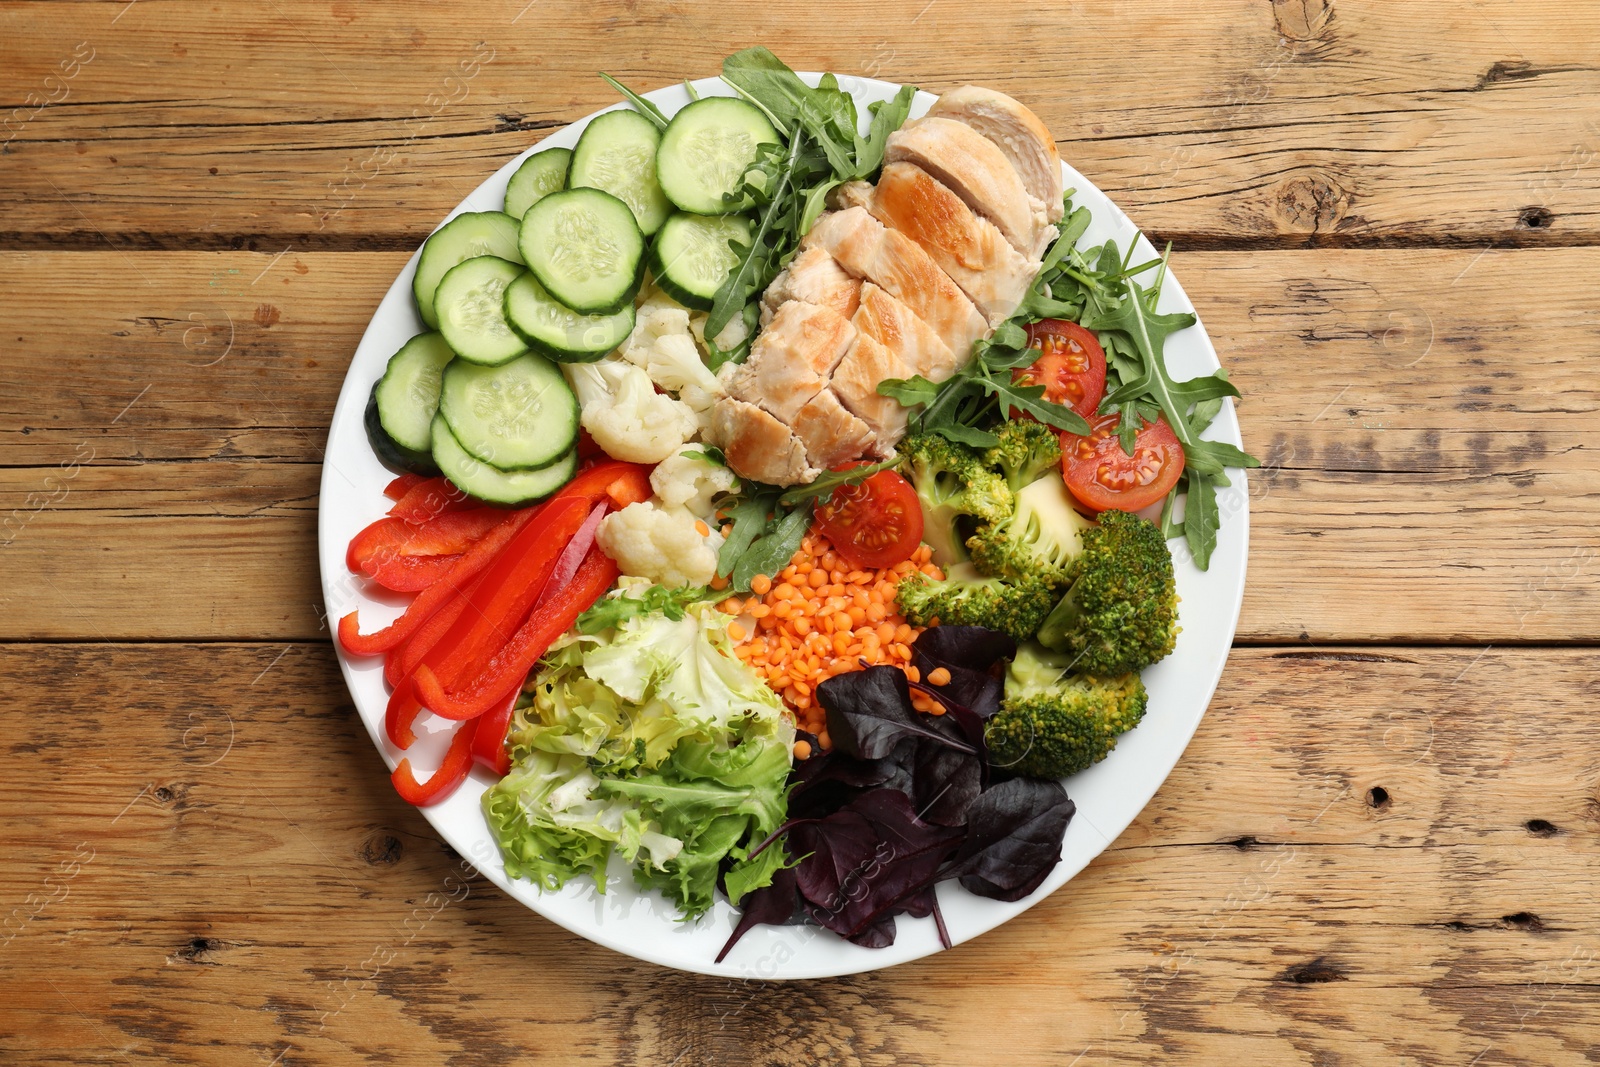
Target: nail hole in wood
{"x":1536,"y":218}
{"x":1524,"y":920}
{"x":1541,"y":828}
{"x":1378,"y":797}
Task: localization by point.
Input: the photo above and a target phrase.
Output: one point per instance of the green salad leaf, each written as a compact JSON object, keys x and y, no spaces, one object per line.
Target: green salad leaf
{"x":649,"y":740}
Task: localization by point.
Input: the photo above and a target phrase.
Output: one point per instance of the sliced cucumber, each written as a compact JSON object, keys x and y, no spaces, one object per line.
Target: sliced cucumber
{"x":555,"y":330}
{"x":408,"y":392}
{"x":470,"y":304}
{"x":518,"y":416}
{"x":477,"y":478}
{"x":691,"y":257}
{"x":706,"y":150}
{"x":617,"y":153}
{"x":585,"y":248}
{"x":540,"y":175}
{"x":391,"y":454}
{"x":477,"y":233}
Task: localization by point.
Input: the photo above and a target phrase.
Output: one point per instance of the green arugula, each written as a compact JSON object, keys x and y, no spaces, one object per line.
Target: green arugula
{"x":610,"y":612}
{"x":763,"y":536}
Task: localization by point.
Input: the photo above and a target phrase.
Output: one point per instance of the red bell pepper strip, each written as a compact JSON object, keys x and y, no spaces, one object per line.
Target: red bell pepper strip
{"x":505,"y":594}
{"x":509,"y":667}
{"x":471,"y":563}
{"x":389,"y":540}
{"x":400,"y":716}
{"x":402,"y":485}
{"x":429,"y":499}
{"x":489,"y":742}
{"x":446,"y":780}
{"x":400,"y":661}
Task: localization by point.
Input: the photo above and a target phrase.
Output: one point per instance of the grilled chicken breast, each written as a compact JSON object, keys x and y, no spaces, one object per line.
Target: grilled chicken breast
{"x":815,"y":277}
{"x":993,"y":274}
{"x":899,"y":280}
{"x":1017,"y":132}
{"x":889,"y":259}
{"x":975,"y":169}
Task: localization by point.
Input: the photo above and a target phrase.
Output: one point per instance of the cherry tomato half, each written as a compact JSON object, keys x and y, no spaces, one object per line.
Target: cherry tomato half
{"x":1071,"y":365}
{"x":1105,"y":478}
{"x":874,"y":524}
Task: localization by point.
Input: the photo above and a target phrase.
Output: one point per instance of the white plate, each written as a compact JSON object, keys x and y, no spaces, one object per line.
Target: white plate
{"x":1108,"y":796}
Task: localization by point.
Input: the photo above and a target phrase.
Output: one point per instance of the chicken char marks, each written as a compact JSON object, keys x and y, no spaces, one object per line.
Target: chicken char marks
{"x":899,"y":279}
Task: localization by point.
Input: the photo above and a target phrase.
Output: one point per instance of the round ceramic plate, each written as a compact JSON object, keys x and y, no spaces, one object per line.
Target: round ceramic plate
{"x":644,"y":925}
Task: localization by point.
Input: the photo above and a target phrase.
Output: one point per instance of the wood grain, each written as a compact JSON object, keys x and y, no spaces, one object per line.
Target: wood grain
{"x":1426,"y":418}
{"x":340,"y":125}
{"x":206,"y":902}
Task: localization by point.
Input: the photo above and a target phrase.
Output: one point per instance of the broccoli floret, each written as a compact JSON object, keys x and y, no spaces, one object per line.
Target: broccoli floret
{"x":1121,"y":613}
{"x":1027,"y":450}
{"x":951,"y":481}
{"x":1040,"y":538}
{"x":1051,"y":723}
{"x":967,"y":598}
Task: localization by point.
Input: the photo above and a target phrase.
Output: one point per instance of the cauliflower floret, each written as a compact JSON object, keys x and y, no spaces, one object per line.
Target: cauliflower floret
{"x":625,"y":415}
{"x":663,"y":346}
{"x":691,"y":481}
{"x":664,"y":545}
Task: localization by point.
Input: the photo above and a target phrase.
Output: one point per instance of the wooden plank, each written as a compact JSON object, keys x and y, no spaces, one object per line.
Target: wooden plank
{"x":355,"y":126}
{"x":237,"y":881}
{"x":1423,"y":415}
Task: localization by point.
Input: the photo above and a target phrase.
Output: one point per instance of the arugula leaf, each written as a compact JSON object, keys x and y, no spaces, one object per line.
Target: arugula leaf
{"x":710,"y":453}
{"x":749,"y":515}
{"x":610,"y":612}
{"x":771,"y":551}
{"x":887,"y":117}
{"x":640,"y":104}
{"x":1030,"y":399}
{"x":910,"y":392}
{"x":1200,"y":517}
{"x":826,"y":482}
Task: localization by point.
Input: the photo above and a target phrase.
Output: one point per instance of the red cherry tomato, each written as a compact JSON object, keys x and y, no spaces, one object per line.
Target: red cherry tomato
{"x":874,"y":524}
{"x":1105,"y":478}
{"x":1071,"y":365}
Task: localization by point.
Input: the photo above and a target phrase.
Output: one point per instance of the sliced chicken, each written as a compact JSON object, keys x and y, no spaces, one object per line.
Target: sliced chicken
{"x":856,"y":382}
{"x":973,"y":167}
{"x":891,"y":260}
{"x":830,"y":433}
{"x":893,"y":325}
{"x":758,"y":446}
{"x":969,"y":249}
{"x":1017,"y":132}
{"x":812,"y":276}
{"x":791,"y":358}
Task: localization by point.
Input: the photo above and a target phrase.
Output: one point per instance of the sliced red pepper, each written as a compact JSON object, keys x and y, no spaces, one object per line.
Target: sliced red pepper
{"x":429,"y":499}
{"x":509,"y":667}
{"x":446,"y":780}
{"x":387,"y":545}
{"x":400,"y":661}
{"x":472,"y":562}
{"x":402,"y":485}
{"x":489,"y":742}
{"x":505,"y":594}
{"x":400,"y":716}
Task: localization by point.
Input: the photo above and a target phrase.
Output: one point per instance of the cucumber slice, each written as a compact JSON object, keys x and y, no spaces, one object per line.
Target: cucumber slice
{"x":470,"y":305}
{"x":540,"y":175}
{"x":585,"y":248}
{"x":395,"y":456}
{"x":555,"y":330}
{"x":476,"y":233}
{"x":691,"y":257}
{"x":617,"y":154}
{"x":477,"y":478}
{"x":408,"y":393}
{"x":706,"y":150}
{"x":518,"y":416}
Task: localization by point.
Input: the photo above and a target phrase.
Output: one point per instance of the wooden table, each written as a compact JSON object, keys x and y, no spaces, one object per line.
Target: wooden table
{"x":1383,"y":846}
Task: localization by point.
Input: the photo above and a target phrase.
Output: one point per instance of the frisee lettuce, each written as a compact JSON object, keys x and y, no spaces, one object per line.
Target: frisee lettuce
{"x":650,"y":741}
